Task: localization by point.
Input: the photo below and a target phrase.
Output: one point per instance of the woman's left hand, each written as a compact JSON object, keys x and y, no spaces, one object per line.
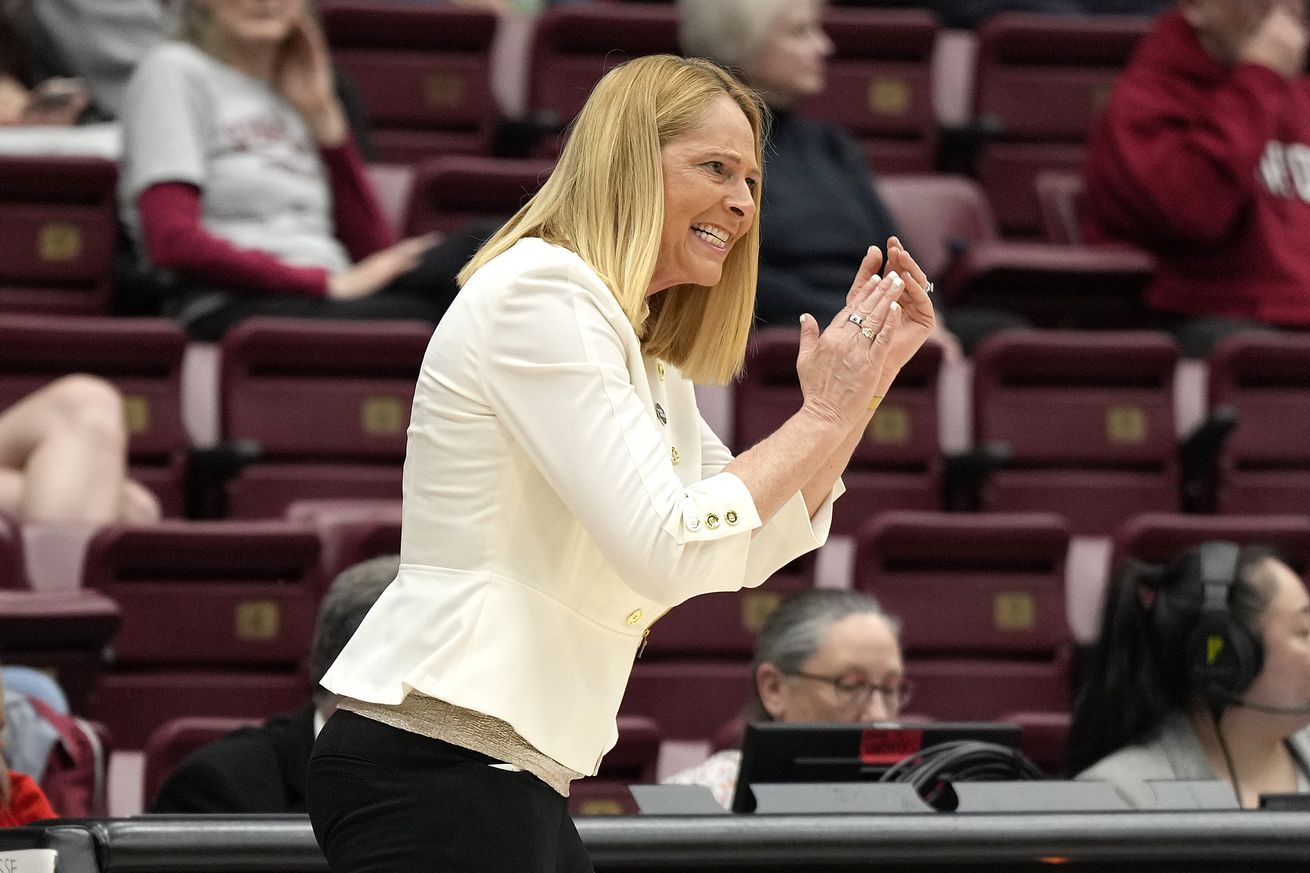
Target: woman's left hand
{"x":304,"y":77}
{"x":917,"y":318}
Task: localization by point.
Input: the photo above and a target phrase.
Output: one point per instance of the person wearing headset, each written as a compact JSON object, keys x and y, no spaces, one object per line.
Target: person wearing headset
{"x":1202,"y":671}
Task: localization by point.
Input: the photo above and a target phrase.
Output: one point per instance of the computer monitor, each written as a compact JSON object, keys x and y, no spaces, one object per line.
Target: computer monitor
{"x":823,"y":752}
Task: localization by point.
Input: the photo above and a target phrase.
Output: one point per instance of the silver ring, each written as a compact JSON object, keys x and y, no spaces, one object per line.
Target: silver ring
{"x":855,"y":318}
{"x":927,"y":288}
{"x":869,"y":333}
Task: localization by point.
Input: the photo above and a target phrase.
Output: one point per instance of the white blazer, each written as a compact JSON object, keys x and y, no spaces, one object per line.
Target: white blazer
{"x":561,"y":493}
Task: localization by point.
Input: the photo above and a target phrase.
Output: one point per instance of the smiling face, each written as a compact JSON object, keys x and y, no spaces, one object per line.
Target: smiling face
{"x":253,"y":22}
{"x":710,"y":181}
{"x":790,"y":63}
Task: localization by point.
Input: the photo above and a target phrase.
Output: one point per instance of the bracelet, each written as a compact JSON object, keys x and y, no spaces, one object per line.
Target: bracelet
{"x":873,"y":404}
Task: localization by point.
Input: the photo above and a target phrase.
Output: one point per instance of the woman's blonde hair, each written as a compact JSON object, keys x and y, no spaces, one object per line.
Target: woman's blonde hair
{"x":194,"y":20}
{"x":605,"y":201}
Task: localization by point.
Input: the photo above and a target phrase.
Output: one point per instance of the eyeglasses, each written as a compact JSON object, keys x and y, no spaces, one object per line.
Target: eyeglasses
{"x":855,"y":692}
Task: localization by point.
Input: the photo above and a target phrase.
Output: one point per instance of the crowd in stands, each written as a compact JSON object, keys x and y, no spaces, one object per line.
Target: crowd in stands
{"x":244,"y":190}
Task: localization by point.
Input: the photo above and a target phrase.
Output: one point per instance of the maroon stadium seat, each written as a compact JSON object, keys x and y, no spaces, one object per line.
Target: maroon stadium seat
{"x":899,"y":463}
{"x":1060,"y":201}
{"x":217,"y":620}
{"x":1088,"y":419}
{"x":1045,"y":739}
{"x":1055,"y":286}
{"x":694,"y":672}
{"x":725,"y":624}
{"x":176,"y":738}
{"x":64,"y":633}
{"x":423,"y":74}
{"x":982,"y":601}
{"x":327,"y":402}
{"x":939,"y":216}
{"x":13,"y":568}
{"x":949,"y":226}
{"x":1158,"y":537}
{"x":142,"y":357}
{"x":451,"y":191}
{"x":574,"y":46}
{"x":1265,"y":463}
{"x":58,"y":220}
{"x":689,"y":698}
{"x":1040,"y":82}
{"x":880,"y":85}
{"x":350,"y":530}
{"x":632,"y":761}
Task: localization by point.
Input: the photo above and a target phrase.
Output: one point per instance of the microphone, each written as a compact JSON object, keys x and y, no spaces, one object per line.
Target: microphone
{"x":1237,"y":700}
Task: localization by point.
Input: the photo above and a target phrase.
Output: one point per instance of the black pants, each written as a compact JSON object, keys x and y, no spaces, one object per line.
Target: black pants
{"x":423,"y":294}
{"x":384,"y":800}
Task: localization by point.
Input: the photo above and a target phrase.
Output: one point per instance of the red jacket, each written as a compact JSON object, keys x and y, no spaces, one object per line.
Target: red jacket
{"x":26,"y":802}
{"x":1207,"y":167}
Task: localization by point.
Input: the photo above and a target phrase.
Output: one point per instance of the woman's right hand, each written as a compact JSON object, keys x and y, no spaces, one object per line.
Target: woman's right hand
{"x":839,"y":369}
{"x":378,"y":269}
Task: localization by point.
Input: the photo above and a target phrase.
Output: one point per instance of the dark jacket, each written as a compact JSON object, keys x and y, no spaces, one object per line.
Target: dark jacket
{"x":259,"y":769}
{"x":819,"y":216}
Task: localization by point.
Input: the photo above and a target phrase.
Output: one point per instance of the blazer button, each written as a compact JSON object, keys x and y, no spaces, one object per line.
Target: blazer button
{"x":712,"y":521}
{"x":693,"y":524}
{"x":674,"y":456}
{"x":634,"y":616}
{"x":731,"y":516}
{"x":660,"y":414}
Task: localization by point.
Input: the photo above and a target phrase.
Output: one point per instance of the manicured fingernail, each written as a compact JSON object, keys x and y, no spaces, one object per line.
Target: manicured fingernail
{"x":870,"y":250}
{"x":802,"y":319}
{"x":897,"y":281}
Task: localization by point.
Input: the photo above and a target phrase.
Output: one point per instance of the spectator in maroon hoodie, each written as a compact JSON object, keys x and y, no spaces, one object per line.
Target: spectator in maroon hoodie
{"x":1202,"y":157}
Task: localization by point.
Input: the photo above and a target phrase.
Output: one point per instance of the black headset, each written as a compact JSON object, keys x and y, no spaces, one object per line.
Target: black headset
{"x":1222,"y":656}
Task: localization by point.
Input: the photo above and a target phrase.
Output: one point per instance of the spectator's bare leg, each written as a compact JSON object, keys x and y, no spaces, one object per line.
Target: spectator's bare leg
{"x":139,"y":504}
{"x":69,"y":442}
{"x":11,"y":491}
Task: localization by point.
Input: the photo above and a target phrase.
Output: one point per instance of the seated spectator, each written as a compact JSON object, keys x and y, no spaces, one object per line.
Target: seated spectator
{"x":21,"y":799}
{"x":1202,"y":157}
{"x":244,"y":191}
{"x":95,"y":42}
{"x":1202,"y":672}
{"x":821,"y":209}
{"x":262,"y":769}
{"x":54,"y":101}
{"x":63,"y":457}
{"x":822,"y":655}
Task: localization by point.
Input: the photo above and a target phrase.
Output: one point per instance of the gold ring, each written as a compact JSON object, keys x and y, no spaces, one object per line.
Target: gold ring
{"x":873,"y":404}
{"x":869,"y":333}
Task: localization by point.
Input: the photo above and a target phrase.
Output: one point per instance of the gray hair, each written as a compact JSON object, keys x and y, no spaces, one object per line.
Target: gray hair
{"x":795,"y":630}
{"x":348,"y":600}
{"x":726,"y":31}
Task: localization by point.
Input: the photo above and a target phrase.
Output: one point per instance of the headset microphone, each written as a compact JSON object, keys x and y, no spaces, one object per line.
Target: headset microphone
{"x":1237,"y":700}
